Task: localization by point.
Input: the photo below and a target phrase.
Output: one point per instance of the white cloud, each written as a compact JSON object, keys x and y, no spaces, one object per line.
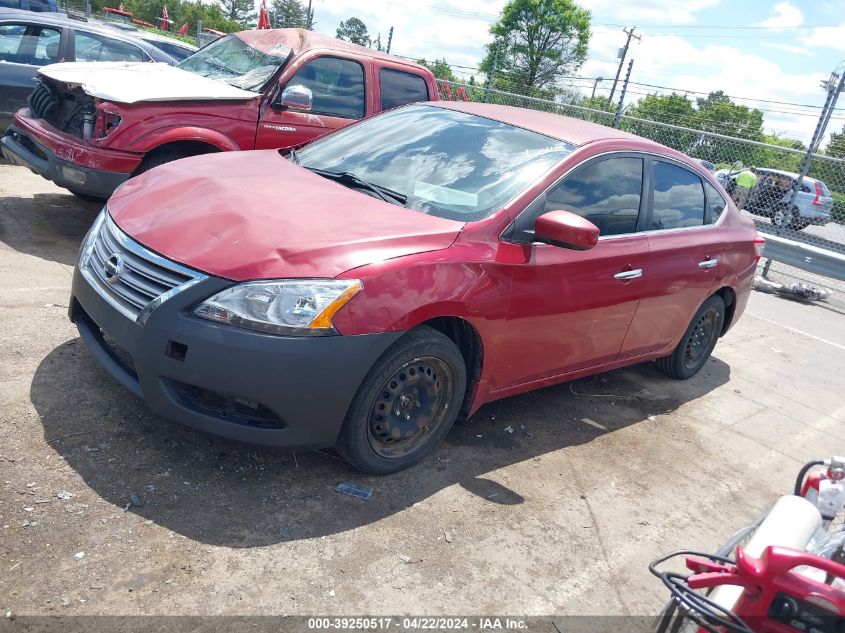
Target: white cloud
{"x":789,"y":48}
{"x":662,"y":11}
{"x":786,"y":15}
{"x":828,"y":37}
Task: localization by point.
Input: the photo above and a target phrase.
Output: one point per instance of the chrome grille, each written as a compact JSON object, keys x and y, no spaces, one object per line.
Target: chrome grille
{"x":130,"y":277}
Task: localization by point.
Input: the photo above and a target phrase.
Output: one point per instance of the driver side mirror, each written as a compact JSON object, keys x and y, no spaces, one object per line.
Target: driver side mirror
{"x":567,"y":230}
{"x":296,"y":97}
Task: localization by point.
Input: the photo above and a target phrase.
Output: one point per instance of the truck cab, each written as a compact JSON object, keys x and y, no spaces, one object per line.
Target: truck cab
{"x":91,"y":127}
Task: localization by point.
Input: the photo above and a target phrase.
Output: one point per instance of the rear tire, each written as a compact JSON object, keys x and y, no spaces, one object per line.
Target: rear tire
{"x":406,"y":404}
{"x":697,"y":343}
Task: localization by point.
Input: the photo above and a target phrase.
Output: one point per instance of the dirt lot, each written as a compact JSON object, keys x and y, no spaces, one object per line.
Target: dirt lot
{"x":560,"y":516}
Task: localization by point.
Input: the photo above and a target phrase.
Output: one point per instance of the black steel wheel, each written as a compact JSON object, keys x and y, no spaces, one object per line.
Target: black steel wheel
{"x":409,"y":405}
{"x":406,"y":404}
{"x":698,"y":341}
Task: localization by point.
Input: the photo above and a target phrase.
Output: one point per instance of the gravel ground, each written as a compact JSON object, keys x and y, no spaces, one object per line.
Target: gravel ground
{"x":560,"y":516}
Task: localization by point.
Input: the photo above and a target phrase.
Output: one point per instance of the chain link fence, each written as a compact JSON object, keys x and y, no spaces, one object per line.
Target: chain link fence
{"x":815,"y":218}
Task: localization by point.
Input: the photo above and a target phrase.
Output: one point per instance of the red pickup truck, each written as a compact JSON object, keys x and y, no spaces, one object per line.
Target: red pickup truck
{"x":89,"y":127}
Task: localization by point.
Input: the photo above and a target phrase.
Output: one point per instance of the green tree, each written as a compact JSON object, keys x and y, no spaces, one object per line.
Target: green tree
{"x":240,"y":11}
{"x":537,"y":41}
{"x":674,"y":109}
{"x":439,"y":68}
{"x":355,"y":31}
{"x":289,"y":14}
{"x":836,"y":145}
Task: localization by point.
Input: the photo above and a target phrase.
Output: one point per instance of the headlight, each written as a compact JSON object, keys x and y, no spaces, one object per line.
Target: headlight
{"x":298,"y":307}
{"x":88,"y":243}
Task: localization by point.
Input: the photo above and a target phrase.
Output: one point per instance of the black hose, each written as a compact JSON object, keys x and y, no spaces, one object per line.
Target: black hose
{"x":799,"y":481}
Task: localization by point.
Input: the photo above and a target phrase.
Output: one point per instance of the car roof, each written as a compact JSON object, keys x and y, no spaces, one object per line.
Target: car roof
{"x":300,"y":40}
{"x":780,"y":172}
{"x":564,"y":128}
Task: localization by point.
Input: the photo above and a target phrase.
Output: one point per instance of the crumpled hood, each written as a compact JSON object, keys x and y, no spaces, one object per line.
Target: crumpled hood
{"x":131,"y":82}
{"x":255,"y":215}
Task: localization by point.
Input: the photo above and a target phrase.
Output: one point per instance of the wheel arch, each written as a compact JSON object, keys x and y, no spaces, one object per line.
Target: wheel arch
{"x":193,"y":135}
{"x":729,"y":297}
{"x":468,"y":340}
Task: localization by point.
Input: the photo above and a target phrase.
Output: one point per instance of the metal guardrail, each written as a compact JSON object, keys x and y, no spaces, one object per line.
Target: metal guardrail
{"x":812,"y":259}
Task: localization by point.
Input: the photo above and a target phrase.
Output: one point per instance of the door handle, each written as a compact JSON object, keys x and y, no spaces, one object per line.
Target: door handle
{"x":629,"y":274}
{"x":708,"y":263}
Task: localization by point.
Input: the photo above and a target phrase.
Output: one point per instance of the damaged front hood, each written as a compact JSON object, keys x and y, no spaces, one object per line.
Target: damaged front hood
{"x":255,"y":215}
{"x":132,"y":82}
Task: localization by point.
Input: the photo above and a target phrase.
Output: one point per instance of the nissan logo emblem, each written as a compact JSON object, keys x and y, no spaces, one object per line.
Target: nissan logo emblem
{"x":113,"y":267}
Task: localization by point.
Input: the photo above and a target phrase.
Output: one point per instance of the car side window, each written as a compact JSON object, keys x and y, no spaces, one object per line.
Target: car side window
{"x":29,"y":44}
{"x":399,"y":88}
{"x":678,"y":198}
{"x":39,"y":5}
{"x":337,"y":86}
{"x":716,"y":204}
{"x":98,"y":48}
{"x":606,"y":192}
{"x":10,"y":4}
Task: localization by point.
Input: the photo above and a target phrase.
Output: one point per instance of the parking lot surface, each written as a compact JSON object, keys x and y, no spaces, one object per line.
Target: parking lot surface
{"x":551,"y":502}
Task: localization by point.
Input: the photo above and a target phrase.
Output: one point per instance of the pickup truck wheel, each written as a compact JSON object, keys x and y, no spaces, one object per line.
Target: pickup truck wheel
{"x":155,"y":159}
{"x":88,"y":197}
{"x":406,"y":404}
{"x":697,"y":343}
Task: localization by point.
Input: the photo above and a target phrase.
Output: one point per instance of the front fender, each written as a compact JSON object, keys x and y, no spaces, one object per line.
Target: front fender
{"x":157,"y":138}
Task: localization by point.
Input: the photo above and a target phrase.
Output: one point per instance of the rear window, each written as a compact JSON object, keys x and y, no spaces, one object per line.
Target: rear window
{"x":399,"y":88}
{"x":678,"y":198}
{"x":825,"y":190}
{"x":716,"y":204}
{"x":174,"y":50}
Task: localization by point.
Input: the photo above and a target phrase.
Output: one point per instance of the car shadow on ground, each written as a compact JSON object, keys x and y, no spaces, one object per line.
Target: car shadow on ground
{"x":48,"y":225}
{"x":222,"y":493}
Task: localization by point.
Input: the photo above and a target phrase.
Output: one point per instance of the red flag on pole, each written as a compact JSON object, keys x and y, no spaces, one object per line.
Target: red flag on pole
{"x":183,"y":30}
{"x":165,"y":21}
{"x":263,"y":16}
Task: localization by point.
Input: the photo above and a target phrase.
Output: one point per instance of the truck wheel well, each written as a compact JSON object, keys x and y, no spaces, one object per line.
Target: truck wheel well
{"x":466,"y":337}
{"x":729,"y":297}
{"x":173,"y":151}
{"x":183,"y":149}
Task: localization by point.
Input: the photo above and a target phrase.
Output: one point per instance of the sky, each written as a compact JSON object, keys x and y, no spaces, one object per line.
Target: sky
{"x":756,"y":51}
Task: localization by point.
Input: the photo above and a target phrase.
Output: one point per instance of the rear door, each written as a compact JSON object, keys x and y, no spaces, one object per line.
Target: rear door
{"x":339,"y":88}
{"x":684,"y":264}
{"x":571,"y":309}
{"x":398,"y":87}
{"x":24,"y":47}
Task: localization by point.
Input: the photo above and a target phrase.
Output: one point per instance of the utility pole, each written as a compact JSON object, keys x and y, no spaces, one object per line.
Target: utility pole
{"x":595,"y":83}
{"x":389,"y":40}
{"x":618,"y":116}
{"x":492,"y":72}
{"x":623,"y":52}
{"x":309,"y":18}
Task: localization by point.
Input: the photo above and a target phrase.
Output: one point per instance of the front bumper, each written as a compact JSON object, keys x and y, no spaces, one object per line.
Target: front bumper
{"x":66,"y":160}
{"x":245,"y":386}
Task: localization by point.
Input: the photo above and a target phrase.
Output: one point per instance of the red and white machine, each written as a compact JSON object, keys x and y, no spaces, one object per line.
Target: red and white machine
{"x":788,"y":577}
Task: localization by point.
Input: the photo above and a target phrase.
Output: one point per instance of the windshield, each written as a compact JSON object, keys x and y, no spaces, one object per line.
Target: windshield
{"x":236,"y":63}
{"x":449,"y":164}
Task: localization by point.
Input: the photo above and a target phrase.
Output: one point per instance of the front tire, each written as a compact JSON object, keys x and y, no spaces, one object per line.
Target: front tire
{"x":406,"y":404}
{"x":697,"y":343}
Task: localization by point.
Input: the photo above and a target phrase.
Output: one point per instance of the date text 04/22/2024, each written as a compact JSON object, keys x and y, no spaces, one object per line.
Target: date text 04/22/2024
{"x":417,"y":623}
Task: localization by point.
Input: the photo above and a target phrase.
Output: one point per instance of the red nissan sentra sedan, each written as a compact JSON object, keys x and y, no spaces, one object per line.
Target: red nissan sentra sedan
{"x":365,"y":291}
